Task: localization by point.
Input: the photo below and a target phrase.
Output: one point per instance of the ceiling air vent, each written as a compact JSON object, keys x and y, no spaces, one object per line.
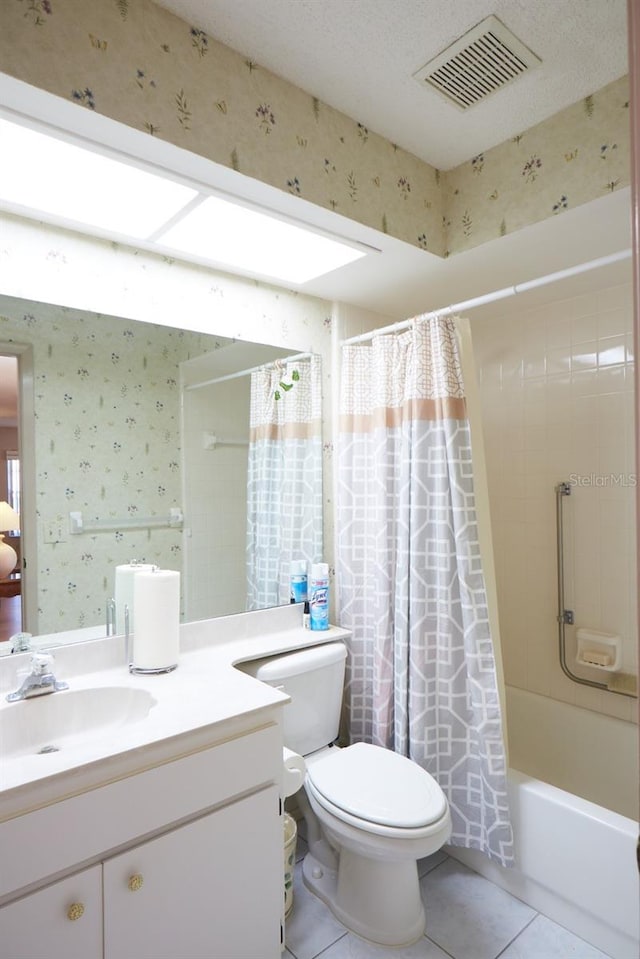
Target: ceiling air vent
{"x":478,"y":64}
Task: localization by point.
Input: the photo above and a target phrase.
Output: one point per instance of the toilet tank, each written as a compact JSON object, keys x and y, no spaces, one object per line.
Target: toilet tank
{"x":314,"y":679}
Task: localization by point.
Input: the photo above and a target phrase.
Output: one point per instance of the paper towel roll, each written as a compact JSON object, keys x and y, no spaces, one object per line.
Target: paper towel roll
{"x":156,"y":637}
{"x":294,"y":770}
{"x":123,"y":594}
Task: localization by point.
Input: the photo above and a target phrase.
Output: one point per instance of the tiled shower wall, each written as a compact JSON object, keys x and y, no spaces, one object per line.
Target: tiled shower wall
{"x":216,"y":499}
{"x":556,"y":388}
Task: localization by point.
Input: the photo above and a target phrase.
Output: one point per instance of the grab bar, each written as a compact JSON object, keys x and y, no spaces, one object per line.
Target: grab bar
{"x":173,"y":520}
{"x":565,"y":616}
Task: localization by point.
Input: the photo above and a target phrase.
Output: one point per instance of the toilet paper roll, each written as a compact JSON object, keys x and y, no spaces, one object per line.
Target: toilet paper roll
{"x":294,"y":770}
{"x":123,"y":594}
{"x":156,"y":637}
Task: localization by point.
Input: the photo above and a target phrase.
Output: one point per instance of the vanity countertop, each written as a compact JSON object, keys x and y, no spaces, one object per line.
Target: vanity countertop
{"x":203,"y":702}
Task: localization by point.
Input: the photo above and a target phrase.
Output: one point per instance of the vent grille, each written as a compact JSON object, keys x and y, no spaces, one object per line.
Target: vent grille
{"x":478,"y":64}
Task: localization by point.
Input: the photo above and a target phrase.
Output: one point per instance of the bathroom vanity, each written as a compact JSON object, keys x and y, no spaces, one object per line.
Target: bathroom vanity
{"x":154,"y":829}
{"x":179,"y":856}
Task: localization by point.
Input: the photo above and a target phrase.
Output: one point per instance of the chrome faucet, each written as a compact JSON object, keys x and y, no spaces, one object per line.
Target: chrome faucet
{"x":39,"y":681}
{"x":20,"y":642}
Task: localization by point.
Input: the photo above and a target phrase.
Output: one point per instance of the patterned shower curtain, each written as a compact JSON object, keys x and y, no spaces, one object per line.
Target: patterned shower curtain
{"x":284,"y":487}
{"x":421,"y":676}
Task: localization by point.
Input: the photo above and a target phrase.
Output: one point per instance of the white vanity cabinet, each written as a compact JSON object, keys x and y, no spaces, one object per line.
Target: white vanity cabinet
{"x":61,"y":921}
{"x":183,"y":859}
{"x":203,"y":891}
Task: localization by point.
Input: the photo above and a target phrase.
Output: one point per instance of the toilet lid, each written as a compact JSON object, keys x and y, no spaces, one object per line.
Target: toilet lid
{"x":378,"y":786}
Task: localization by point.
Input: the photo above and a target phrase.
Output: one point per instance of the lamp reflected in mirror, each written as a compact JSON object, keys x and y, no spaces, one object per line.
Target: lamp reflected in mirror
{"x":9,"y":520}
{"x":10,"y":574}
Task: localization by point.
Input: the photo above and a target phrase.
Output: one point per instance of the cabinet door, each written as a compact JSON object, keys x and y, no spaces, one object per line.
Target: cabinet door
{"x":212,"y":889}
{"x":61,"y":921}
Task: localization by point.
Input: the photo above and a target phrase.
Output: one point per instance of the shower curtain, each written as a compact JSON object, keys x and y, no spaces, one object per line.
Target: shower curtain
{"x":421,"y":676}
{"x":284,"y":485}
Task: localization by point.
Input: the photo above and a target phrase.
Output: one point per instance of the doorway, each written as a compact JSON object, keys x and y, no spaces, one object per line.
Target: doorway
{"x":19,"y":612}
{"x":10,"y":488}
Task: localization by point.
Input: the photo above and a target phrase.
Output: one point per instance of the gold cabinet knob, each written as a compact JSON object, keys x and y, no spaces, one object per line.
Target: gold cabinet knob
{"x":135,"y":882}
{"x":75,"y":911}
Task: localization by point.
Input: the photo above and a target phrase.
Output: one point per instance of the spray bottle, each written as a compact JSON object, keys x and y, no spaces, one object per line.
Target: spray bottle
{"x":319,"y":596}
{"x":298,"y":581}
{"x":299,"y":587}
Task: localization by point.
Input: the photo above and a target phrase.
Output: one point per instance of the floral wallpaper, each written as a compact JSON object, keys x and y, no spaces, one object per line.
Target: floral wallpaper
{"x":137,"y":63}
{"x":141,"y":65}
{"x":107,"y":429}
{"x":107,"y":396}
{"x":575,"y":156}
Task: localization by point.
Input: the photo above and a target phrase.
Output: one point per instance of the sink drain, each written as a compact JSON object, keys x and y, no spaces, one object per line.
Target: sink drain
{"x":48,"y":749}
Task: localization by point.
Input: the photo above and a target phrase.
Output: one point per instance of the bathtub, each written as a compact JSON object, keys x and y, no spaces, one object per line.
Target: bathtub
{"x":575,"y":858}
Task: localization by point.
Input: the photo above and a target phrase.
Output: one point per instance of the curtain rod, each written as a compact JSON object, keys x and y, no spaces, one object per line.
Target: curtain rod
{"x":253,"y":369}
{"x":496,"y":295}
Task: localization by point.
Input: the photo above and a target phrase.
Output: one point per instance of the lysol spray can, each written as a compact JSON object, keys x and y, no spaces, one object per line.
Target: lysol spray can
{"x":319,"y":596}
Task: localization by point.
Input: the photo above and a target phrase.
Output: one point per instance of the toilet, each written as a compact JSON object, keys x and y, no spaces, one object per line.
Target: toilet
{"x":371,"y":813}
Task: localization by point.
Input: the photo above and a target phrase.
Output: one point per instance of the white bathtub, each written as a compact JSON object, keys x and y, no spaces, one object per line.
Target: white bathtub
{"x":575,"y":859}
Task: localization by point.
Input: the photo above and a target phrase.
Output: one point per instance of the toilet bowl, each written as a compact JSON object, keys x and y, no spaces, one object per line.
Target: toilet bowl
{"x":379,"y":813}
{"x":371,"y":813}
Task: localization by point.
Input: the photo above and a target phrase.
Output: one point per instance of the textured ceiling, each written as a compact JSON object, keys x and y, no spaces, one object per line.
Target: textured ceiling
{"x":359,"y":56}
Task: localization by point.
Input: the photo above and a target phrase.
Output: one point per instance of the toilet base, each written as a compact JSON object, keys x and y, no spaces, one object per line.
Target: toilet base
{"x":379,"y":901}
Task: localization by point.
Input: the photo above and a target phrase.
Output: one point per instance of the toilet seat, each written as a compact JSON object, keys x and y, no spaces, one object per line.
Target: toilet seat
{"x":376,"y":788}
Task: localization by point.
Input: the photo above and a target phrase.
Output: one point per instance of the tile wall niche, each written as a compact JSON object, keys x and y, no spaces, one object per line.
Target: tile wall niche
{"x":556,"y":388}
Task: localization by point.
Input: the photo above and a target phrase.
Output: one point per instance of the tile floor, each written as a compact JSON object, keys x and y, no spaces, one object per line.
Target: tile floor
{"x":468,"y":917}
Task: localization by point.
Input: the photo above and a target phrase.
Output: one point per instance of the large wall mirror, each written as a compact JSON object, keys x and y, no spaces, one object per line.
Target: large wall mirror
{"x":120,"y":432}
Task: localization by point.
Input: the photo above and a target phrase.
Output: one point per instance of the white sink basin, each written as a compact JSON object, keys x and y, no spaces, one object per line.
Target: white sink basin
{"x":56,"y":721}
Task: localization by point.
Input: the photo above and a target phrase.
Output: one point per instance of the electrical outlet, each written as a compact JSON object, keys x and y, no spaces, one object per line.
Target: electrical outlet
{"x":54,"y":532}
